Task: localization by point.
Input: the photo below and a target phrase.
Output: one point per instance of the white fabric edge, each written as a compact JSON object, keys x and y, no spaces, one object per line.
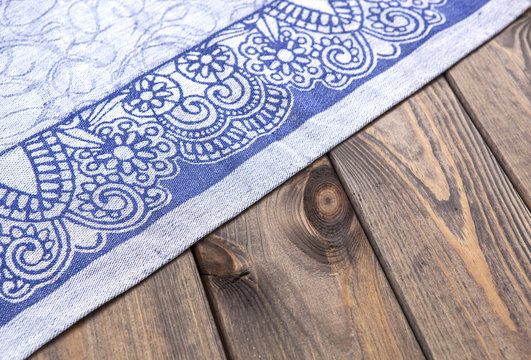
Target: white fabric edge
{"x":138,"y":257}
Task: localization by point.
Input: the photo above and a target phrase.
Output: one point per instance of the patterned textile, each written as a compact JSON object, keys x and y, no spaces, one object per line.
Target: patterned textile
{"x":57,"y":56}
{"x":187,"y":145}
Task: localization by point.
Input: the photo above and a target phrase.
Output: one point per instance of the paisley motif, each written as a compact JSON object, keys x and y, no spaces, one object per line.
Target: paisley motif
{"x":32,"y":256}
{"x":106,"y":168}
{"x":47,"y":185}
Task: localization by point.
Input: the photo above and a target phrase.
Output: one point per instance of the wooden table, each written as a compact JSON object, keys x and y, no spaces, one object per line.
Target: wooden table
{"x":409,"y":240}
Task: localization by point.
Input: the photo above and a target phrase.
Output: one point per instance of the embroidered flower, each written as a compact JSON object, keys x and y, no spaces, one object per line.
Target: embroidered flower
{"x":151,"y":95}
{"x":128,"y":153}
{"x":207,"y":64}
{"x":138,"y":153}
{"x":288,"y":59}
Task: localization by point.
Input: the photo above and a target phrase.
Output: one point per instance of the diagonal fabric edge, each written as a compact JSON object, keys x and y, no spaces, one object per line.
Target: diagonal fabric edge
{"x":262,"y":172}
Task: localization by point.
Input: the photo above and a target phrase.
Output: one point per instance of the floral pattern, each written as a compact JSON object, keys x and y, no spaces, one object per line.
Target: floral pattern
{"x":105,"y":169}
{"x":151,"y":95}
{"x":207,"y":64}
{"x":138,"y":154}
{"x":289,"y":59}
{"x":56,"y":55}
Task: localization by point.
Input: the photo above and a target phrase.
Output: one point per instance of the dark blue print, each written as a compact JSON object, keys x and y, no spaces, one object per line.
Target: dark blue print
{"x":106,"y":169}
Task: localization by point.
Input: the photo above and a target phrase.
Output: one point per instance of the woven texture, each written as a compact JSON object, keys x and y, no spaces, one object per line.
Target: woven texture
{"x":105,"y":177}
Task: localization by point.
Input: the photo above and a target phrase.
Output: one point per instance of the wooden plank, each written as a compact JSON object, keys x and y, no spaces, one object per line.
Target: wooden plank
{"x":294,"y":277}
{"x":165,"y":317}
{"x":448,"y":226}
{"x":494,"y":85}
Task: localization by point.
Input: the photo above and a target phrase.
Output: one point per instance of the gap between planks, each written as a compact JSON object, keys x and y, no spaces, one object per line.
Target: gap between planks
{"x":164,"y":317}
{"x":422,"y":183}
{"x":494,"y":86}
{"x":244,"y":275}
{"x":294,"y":277}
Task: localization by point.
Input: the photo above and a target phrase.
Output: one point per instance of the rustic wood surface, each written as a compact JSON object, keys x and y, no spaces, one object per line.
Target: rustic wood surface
{"x":165,"y":317}
{"x":494,"y":85}
{"x":294,"y":277}
{"x":450,"y":230}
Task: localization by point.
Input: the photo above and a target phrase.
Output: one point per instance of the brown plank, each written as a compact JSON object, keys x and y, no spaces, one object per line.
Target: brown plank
{"x":449,"y":228}
{"x":165,"y":317}
{"x":494,"y":85}
{"x":294,"y":277}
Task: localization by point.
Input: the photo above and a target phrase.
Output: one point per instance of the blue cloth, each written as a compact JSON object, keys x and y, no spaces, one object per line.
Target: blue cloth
{"x":95,"y":202}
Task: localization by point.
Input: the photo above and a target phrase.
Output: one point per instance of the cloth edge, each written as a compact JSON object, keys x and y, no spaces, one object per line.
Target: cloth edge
{"x":487,"y":21}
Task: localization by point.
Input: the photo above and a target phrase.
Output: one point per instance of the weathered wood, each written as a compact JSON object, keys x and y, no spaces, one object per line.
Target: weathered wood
{"x":294,"y":277}
{"x":448,"y":226}
{"x":494,"y":85}
{"x":165,"y":317}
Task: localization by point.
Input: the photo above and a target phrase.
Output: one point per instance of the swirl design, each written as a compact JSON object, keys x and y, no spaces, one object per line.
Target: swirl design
{"x":351,"y":56}
{"x":106,"y":169}
{"x":196,"y":118}
{"x":58,"y":55}
{"x":233,"y":93}
{"x":33,"y":256}
{"x":396,"y":23}
{"x":108,"y":205}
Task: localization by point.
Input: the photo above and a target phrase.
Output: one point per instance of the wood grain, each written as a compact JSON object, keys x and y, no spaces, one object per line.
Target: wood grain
{"x":165,"y":317}
{"x":449,"y":228}
{"x":494,"y":85}
{"x":294,"y":277}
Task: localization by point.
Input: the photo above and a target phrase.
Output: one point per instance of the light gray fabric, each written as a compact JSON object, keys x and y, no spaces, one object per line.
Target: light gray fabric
{"x":162,"y":239}
{"x":58,"y":55}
